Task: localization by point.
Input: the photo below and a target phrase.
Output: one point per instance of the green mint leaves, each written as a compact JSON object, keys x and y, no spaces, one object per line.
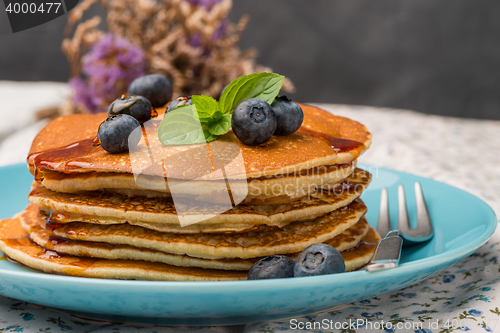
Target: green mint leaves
{"x":181,"y":127}
{"x":205,"y":105}
{"x":206,"y":119}
{"x":220,"y":124}
{"x":264,"y":86}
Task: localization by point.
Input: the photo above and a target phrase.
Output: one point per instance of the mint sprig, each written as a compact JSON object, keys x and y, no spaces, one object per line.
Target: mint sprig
{"x":205,"y":105}
{"x":220,"y":125}
{"x":181,"y":127}
{"x":264,"y":86}
{"x":206,"y":119}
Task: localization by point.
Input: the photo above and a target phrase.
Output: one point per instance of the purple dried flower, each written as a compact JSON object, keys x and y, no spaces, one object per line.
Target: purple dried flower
{"x":195,"y":40}
{"x":81,"y":93}
{"x":221,"y":30}
{"x":207,"y":4}
{"x":108,"y":68}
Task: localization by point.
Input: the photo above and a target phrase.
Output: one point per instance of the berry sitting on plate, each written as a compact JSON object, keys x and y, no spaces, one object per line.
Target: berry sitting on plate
{"x":319,"y":259}
{"x":272,"y":267}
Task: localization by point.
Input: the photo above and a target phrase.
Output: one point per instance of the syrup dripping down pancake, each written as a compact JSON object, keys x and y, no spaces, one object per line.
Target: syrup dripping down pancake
{"x":33,"y":223}
{"x":309,"y":147}
{"x":23,"y":250}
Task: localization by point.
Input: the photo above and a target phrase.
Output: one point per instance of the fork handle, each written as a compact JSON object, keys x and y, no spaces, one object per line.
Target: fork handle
{"x":387,"y":253}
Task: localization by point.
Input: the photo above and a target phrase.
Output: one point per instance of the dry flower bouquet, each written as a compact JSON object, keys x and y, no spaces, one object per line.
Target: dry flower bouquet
{"x":191,"y":42}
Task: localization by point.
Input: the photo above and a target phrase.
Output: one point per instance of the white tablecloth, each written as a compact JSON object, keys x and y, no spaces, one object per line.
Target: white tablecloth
{"x":461,"y":152}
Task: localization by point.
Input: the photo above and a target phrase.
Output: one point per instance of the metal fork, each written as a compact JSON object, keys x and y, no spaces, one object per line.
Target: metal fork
{"x":389,"y":249}
{"x":423,"y":232}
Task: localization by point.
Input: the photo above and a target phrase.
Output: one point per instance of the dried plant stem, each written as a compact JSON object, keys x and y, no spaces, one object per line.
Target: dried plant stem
{"x":193,"y":46}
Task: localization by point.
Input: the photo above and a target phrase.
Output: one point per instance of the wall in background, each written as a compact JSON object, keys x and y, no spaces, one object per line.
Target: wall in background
{"x":34,"y":54}
{"x":438,"y":57}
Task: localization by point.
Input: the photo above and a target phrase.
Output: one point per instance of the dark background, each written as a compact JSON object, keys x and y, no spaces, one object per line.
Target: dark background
{"x":432,"y":56}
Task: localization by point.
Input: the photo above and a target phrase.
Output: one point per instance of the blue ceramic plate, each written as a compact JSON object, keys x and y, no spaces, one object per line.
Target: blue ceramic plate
{"x":462,"y":224}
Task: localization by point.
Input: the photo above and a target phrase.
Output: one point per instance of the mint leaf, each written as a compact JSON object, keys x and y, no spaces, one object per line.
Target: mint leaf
{"x":206,"y":119}
{"x":205,"y":105}
{"x":208,"y":136}
{"x":181,"y":127}
{"x":265,"y":86}
{"x":220,"y":126}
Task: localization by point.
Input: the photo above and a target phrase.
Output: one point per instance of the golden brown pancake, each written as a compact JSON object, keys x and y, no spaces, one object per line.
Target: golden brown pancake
{"x":15,"y":243}
{"x":275,"y":189}
{"x":309,"y":147}
{"x":33,"y":222}
{"x":291,"y":238}
{"x":160,"y":213}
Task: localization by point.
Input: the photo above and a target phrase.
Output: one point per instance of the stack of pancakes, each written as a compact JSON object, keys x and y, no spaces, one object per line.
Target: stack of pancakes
{"x":159,"y":213}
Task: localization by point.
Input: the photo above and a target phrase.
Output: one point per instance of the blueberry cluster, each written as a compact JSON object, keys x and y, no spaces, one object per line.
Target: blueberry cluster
{"x":317,"y":259}
{"x":127,"y":112}
{"x":254,"y":121}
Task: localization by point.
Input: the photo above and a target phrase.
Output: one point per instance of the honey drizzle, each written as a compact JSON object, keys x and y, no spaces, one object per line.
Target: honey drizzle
{"x":359,"y":250}
{"x":51,"y":226}
{"x":70,"y":157}
{"x":96,"y":142}
{"x":49,"y":254}
{"x":154,"y":113}
{"x":38,"y":175}
{"x":338,"y":145}
{"x":17,"y":241}
{"x":54,"y":241}
{"x":75,"y":266}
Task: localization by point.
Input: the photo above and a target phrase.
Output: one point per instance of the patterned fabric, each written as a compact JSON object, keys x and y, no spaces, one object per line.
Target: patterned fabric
{"x":466,"y":297}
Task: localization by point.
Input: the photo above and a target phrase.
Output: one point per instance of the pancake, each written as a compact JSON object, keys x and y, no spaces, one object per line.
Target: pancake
{"x":293,"y":237}
{"x":309,"y":147}
{"x":276,"y":189}
{"x":160,"y":213}
{"x":104,"y":215}
{"x":15,"y":243}
{"x":33,"y":223}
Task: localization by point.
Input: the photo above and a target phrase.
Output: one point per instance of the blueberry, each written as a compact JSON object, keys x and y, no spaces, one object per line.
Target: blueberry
{"x":178,"y":102}
{"x":156,"y":88}
{"x":115,"y":131}
{"x":319,"y":259}
{"x":289,"y":115}
{"x":273,"y":267}
{"x":253,"y":121}
{"x":135,"y":106}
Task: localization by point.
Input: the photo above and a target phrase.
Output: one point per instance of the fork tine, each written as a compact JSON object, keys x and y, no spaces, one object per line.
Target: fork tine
{"x":403,"y":220}
{"x":384,"y":222}
{"x":424,"y":226}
